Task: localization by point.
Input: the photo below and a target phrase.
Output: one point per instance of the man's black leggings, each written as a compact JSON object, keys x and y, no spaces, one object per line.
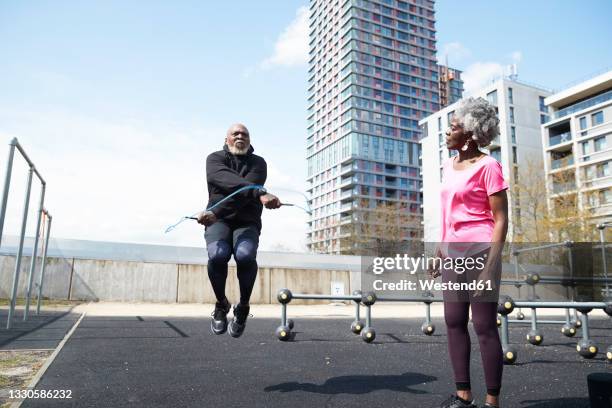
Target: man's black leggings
{"x":223,"y":240}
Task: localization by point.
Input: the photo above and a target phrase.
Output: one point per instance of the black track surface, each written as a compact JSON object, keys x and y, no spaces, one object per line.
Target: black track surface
{"x":177,"y":362}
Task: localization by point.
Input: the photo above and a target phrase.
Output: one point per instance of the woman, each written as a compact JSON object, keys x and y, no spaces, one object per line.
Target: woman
{"x":474,"y":224}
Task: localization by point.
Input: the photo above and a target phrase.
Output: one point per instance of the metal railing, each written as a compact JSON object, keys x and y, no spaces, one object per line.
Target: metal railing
{"x":14,"y":144}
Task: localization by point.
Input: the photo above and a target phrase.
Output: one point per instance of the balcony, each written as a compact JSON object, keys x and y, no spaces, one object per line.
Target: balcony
{"x":560,"y":138}
{"x":346,"y":207}
{"x":346,"y":169}
{"x":564,"y":162}
{"x":348,"y":181}
{"x":583,"y":105}
{"x":599,"y":182}
{"x":563,"y":187}
{"x":346,"y":194}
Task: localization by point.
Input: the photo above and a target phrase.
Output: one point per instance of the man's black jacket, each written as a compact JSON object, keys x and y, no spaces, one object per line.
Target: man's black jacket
{"x":226,"y":173}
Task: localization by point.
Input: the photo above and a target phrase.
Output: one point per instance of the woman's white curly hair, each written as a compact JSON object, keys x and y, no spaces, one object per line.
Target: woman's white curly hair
{"x":478,"y":117}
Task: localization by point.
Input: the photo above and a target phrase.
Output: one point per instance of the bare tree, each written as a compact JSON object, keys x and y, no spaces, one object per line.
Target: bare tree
{"x":381,"y":231}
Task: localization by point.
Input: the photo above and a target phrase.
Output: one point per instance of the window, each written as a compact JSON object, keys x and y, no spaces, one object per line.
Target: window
{"x":597,"y":118}
{"x":510,"y":97}
{"x":439,"y":124}
{"x":605,"y":196}
{"x":516,"y":174}
{"x":514,"y":158}
{"x":492,"y":97}
{"x":543,"y":119}
{"x":511,"y":114}
{"x":496,"y":154}
{"x":449,"y":117}
{"x":583,"y":124}
{"x":586,"y":149}
{"x":600,"y":143}
{"x":513,"y":134}
{"x":603,"y":169}
{"x":543,"y":107}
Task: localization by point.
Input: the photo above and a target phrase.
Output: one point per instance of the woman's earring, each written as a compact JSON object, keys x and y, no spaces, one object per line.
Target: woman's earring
{"x":465,"y":146}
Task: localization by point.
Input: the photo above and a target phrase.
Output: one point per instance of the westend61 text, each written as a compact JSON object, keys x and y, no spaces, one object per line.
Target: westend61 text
{"x":430,"y":285}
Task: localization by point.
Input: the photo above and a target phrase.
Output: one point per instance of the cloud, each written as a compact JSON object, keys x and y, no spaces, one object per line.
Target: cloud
{"x":455,"y":51}
{"x":516,"y":57}
{"x":291,"y":47}
{"x":480,"y":74}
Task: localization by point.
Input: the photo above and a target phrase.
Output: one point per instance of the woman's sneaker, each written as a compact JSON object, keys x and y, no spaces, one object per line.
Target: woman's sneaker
{"x":218,"y":324}
{"x":456,"y":402}
{"x":236,"y":326}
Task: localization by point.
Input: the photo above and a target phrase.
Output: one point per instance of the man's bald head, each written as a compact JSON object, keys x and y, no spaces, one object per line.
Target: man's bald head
{"x":238,"y":139}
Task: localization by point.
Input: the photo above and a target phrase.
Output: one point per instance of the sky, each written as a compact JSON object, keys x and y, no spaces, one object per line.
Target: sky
{"x":118,"y":103}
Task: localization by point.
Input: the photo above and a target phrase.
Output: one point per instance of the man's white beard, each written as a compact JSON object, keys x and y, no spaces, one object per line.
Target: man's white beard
{"x":239,"y":152}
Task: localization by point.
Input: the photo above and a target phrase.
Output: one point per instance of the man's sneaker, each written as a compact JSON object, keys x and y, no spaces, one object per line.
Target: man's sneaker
{"x":218,"y":324}
{"x":456,"y":402}
{"x":236,"y":326}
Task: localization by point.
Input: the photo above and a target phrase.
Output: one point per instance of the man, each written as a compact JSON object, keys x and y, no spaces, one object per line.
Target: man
{"x":233,"y":226}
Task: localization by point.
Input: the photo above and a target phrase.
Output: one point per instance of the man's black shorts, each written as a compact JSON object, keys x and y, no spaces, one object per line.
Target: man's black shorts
{"x":232,"y":234}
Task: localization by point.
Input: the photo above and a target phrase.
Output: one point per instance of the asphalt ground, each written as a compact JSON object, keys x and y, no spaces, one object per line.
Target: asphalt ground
{"x":177,"y":362}
{"x":43,"y":331}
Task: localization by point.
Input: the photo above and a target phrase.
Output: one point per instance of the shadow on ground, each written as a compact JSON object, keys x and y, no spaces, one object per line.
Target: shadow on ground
{"x":358,"y":384}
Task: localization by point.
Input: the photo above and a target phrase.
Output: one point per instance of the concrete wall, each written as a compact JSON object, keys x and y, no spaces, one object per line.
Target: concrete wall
{"x":138,"y":281}
{"x":134,"y":281}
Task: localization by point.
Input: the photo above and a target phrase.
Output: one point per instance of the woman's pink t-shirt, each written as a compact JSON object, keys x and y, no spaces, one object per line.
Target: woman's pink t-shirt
{"x":466,"y":213}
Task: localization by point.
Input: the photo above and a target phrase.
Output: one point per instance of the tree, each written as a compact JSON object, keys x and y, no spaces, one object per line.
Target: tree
{"x":385,"y":230}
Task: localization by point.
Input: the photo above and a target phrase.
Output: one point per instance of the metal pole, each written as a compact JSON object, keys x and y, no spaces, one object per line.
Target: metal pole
{"x":41,"y":209}
{"x":585,"y":326}
{"x":42,"y":270}
{"x":357,"y":311}
{"x":428,"y":313}
{"x":602,"y":239}
{"x":7,"y":184}
{"x":556,"y":244}
{"x":368,"y":317}
{"x":534,"y":319}
{"x":284,"y":314}
{"x":571,"y":270}
{"x":504,"y":330}
{"x":20,"y":250}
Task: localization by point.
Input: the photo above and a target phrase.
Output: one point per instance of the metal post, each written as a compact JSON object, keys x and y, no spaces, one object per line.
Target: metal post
{"x":7,"y":184}
{"x":602,"y":239}
{"x":368,"y":317}
{"x":504,"y":330}
{"x":41,"y":209}
{"x":284,"y":314}
{"x":534,"y":319}
{"x":42,"y":270}
{"x":516,"y":274}
{"x":571,"y":271}
{"x":584,"y":318}
{"x":428,"y":313}
{"x":20,"y":250}
{"x":357,"y":312}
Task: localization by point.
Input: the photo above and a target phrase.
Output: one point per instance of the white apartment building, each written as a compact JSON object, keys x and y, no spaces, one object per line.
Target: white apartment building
{"x":521,"y":110}
{"x":577,"y":144}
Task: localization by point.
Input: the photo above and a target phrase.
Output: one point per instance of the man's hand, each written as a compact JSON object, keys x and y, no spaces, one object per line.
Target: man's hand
{"x":270,"y":201}
{"x":207,"y":218}
{"x":433,"y":270}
